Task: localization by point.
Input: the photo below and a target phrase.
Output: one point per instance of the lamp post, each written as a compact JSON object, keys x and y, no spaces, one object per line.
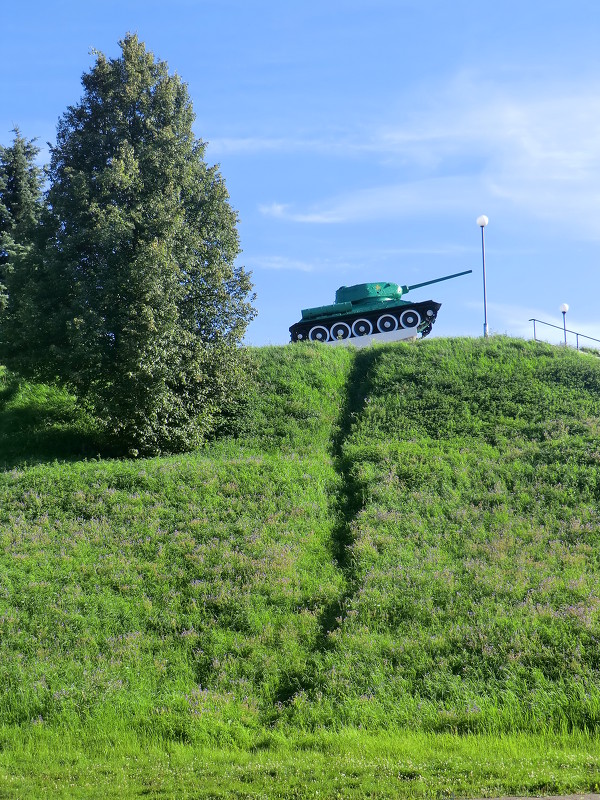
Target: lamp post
{"x":482,"y":221}
{"x":564,"y":308}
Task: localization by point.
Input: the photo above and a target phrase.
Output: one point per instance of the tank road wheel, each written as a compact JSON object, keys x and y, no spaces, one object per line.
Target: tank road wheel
{"x":340,"y":330}
{"x":386,"y":323}
{"x":410,"y":319}
{"x":318,"y":333}
{"x":362,"y":327}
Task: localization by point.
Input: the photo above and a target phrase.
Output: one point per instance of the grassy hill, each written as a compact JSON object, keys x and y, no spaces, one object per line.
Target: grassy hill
{"x":392,"y":575}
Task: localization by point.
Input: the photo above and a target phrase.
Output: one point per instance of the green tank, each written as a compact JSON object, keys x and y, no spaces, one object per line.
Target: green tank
{"x":369,"y":308}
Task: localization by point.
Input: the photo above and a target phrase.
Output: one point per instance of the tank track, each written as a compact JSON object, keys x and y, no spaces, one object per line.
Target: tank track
{"x":351,"y":326}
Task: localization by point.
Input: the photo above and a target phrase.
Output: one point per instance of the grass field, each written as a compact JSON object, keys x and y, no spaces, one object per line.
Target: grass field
{"x":387,"y":585}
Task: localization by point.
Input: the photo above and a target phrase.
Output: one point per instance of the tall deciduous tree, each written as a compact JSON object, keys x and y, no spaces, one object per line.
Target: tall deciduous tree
{"x":133,"y":297}
{"x":20,"y":203}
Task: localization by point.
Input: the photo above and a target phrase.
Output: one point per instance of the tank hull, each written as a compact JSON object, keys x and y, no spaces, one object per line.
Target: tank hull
{"x":400,"y":335}
{"x":415,"y":319}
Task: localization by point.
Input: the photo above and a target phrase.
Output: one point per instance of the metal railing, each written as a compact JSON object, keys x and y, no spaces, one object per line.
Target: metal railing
{"x":564,"y":330}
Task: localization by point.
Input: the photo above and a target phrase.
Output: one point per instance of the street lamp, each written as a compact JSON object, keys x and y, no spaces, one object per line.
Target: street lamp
{"x":564,"y":308}
{"x":482,"y":221}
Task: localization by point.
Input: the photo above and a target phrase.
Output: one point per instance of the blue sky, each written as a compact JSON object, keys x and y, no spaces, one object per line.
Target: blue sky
{"x":361,"y":139}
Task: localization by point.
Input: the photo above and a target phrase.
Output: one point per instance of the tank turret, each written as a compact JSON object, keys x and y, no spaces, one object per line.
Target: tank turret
{"x":367,"y":310}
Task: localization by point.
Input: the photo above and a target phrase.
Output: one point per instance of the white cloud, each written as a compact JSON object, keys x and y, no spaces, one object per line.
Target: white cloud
{"x":326,"y":145}
{"x":386,"y":202}
{"x":250,"y":145}
{"x":274,"y":210}
{"x":536,"y":151}
{"x":279,"y":263}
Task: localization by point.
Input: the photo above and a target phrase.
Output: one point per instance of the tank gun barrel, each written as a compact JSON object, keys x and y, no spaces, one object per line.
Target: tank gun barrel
{"x":436,"y":280}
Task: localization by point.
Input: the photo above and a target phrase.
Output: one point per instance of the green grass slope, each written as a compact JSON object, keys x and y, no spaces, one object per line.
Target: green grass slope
{"x":175,"y":596}
{"x":475,"y":554}
{"x":401,"y":542}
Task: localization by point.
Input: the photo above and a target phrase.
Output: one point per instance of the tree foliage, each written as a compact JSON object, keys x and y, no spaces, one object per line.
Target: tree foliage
{"x":132,"y":296}
{"x":20,"y":203}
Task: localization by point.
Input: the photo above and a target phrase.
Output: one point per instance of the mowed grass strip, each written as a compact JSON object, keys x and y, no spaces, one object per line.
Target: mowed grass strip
{"x":350,"y":764}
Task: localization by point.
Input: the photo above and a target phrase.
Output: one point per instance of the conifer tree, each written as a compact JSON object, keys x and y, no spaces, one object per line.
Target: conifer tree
{"x":20,"y":203}
{"x":132,"y":297}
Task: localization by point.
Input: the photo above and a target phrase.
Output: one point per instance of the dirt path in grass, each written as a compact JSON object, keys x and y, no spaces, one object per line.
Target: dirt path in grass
{"x":349,"y":502}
